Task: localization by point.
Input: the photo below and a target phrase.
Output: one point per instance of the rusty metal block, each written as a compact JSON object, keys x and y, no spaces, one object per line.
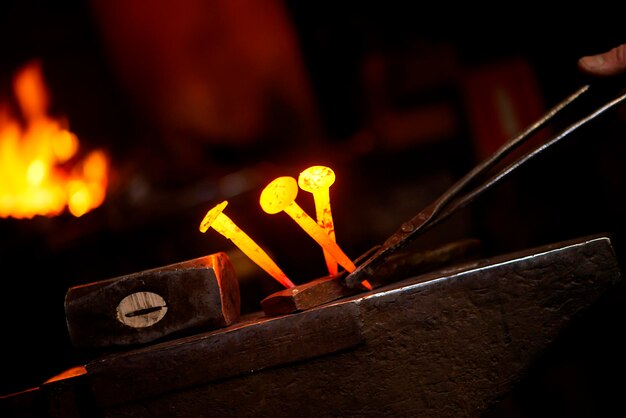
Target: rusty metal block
{"x":139,"y":308}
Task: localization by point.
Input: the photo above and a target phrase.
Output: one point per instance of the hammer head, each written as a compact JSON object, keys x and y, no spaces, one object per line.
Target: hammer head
{"x":139,"y":308}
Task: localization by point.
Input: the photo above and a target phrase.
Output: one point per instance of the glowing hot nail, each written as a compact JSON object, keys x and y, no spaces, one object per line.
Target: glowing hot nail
{"x":317,"y":180}
{"x":280,"y":195}
{"x":216,"y":219}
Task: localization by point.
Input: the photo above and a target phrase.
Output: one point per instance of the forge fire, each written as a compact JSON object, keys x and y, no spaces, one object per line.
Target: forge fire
{"x":43,"y":171}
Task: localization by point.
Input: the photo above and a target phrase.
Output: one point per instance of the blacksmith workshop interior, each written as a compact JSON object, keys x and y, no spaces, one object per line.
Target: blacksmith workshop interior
{"x":122,"y":123}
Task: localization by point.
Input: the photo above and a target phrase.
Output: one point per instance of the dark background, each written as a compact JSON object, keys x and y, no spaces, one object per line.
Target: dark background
{"x":391,"y":114}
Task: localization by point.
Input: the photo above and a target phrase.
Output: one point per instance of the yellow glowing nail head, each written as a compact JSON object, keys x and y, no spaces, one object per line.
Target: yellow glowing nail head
{"x":216,"y":219}
{"x":317,"y":180}
{"x":280,"y":195}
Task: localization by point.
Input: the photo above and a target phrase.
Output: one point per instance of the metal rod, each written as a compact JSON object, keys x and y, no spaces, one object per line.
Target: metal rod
{"x":439,"y":209}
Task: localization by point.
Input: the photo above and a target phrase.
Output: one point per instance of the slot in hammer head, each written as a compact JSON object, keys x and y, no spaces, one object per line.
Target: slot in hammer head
{"x":142,"y":307}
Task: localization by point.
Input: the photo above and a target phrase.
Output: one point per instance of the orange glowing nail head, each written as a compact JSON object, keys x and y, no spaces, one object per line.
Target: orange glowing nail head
{"x":280,"y":195}
{"x":216,"y":219}
{"x":317,"y":180}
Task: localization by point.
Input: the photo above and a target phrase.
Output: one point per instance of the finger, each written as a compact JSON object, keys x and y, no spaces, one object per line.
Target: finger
{"x":609,"y":63}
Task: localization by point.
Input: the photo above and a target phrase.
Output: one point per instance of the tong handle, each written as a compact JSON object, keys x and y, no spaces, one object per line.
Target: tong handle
{"x":454,"y":198}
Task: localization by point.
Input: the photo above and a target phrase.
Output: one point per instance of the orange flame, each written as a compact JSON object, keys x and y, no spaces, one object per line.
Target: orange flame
{"x":39,"y":171}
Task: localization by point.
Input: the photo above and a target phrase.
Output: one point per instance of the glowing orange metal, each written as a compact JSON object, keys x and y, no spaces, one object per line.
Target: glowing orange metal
{"x":280,"y":195}
{"x":72,"y":372}
{"x":317,"y":180}
{"x":216,"y":219}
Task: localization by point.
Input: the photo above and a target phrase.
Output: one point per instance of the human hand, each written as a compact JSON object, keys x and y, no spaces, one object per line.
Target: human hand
{"x":605,"y":64}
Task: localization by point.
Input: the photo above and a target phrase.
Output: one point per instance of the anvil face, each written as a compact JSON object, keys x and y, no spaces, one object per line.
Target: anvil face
{"x":449,"y":343}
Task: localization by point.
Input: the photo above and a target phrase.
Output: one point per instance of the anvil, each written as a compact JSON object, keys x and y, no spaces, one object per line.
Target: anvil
{"x":443,"y":344}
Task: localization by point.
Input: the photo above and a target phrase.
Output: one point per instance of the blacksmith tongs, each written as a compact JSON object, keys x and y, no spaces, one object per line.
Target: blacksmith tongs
{"x":465,"y":190}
